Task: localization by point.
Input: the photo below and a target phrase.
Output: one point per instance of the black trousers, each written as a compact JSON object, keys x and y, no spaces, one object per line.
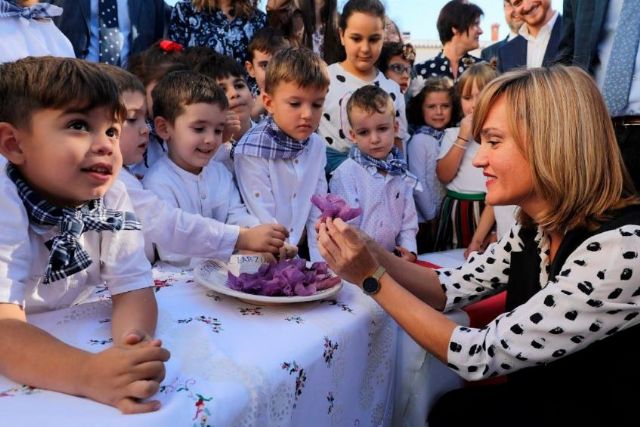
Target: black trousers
{"x":629,"y":143}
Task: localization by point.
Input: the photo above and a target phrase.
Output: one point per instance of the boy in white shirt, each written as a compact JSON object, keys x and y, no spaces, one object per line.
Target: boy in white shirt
{"x":190,"y":115}
{"x":230,"y":76}
{"x":375,"y":177}
{"x":60,"y":121}
{"x":280,"y":162}
{"x":168,"y":226}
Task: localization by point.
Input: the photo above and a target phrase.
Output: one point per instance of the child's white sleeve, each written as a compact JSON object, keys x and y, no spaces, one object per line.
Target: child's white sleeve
{"x":314,"y":216}
{"x":401,"y":116}
{"x":252,"y":174}
{"x":15,"y":245}
{"x":123,"y":264}
{"x":422,"y":156}
{"x":407,"y":236}
{"x":165,"y":192}
{"x":237,"y":211}
{"x":180,"y":231}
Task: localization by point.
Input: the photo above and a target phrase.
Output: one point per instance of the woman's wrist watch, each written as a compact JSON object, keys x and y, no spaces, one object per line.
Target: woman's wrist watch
{"x":371,"y":284}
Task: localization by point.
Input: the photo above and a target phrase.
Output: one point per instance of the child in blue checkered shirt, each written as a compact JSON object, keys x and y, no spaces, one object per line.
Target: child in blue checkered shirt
{"x":279,"y":163}
{"x":67,"y":226}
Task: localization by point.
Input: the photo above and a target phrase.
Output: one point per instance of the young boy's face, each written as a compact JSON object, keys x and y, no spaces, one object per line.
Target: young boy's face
{"x":296,"y":110}
{"x":135,"y":133}
{"x":374,"y":133}
{"x":195,"y":135}
{"x":238,"y":95}
{"x":258,"y":66}
{"x":69,"y":157}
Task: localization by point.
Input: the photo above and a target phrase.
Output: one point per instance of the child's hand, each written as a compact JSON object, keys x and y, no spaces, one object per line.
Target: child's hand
{"x":406,"y":254}
{"x":465,"y":128}
{"x":262,"y":238}
{"x":232,"y":126}
{"x":124,"y":376}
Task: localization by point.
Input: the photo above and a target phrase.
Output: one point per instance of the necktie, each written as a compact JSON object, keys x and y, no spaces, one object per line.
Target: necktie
{"x":110,"y":38}
{"x":617,"y":80}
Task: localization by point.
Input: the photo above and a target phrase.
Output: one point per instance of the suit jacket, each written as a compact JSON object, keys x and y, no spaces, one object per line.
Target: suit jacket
{"x":583,"y":21}
{"x":147,"y":23}
{"x":492,"y":51}
{"x":514,"y":53}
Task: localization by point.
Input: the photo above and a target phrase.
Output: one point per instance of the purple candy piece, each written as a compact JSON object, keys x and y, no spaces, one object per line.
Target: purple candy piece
{"x":334,"y":206}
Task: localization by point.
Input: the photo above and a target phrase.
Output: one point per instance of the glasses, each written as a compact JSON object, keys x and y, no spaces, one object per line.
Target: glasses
{"x":400,"y":69}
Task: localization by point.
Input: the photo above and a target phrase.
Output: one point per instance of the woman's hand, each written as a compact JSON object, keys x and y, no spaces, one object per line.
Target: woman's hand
{"x":345,"y":251}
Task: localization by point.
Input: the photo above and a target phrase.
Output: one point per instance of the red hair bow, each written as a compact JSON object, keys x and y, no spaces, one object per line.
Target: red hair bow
{"x":171,"y":46}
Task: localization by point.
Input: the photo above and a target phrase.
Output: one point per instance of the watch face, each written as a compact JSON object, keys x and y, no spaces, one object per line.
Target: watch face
{"x":371,"y":285}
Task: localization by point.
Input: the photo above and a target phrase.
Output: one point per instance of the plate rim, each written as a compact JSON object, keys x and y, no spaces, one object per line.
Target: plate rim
{"x":252,"y":298}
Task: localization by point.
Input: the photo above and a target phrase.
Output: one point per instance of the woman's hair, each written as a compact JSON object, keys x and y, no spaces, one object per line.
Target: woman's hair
{"x":480,"y":73}
{"x":242,"y":8}
{"x":559,"y":120}
{"x":369,"y":7}
{"x":332,"y":50}
{"x":391,"y":49}
{"x":415,"y":117}
{"x":459,"y":15}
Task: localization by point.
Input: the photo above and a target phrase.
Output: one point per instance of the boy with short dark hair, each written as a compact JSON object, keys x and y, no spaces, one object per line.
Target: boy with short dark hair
{"x":280,"y":162}
{"x":375,"y":177}
{"x":265,"y":43}
{"x":67,"y":226}
{"x":230,"y":76}
{"x":167,"y":226}
{"x":190,"y":115}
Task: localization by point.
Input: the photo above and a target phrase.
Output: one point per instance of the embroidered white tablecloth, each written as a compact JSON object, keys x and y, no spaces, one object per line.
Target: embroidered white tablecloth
{"x":322,"y":363}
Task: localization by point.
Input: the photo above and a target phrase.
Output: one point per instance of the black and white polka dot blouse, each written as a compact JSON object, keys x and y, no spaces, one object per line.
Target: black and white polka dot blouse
{"x":439,"y":66}
{"x":596,"y":294}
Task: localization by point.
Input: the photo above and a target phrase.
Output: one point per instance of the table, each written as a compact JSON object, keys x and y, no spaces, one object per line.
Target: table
{"x":421,"y":378}
{"x":322,"y":363}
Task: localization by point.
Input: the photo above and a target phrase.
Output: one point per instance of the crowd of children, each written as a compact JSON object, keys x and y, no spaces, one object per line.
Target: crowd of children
{"x":207,"y":166}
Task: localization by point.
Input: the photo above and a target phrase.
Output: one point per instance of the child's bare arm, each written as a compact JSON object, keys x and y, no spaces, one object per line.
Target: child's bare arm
{"x":134,"y":312}
{"x":121,"y":376}
{"x":262,"y":238}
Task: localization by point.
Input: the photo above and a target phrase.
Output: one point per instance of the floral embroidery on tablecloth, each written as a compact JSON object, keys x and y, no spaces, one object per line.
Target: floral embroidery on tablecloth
{"x":296,"y":319}
{"x":301,"y":378}
{"x":160,"y":284}
{"x":19,"y":390}
{"x":202,"y":413}
{"x":329,"y":349}
{"x":216,"y":325}
{"x":342,"y":306}
{"x":101,"y":342}
{"x":214,"y":296}
{"x":330,"y":399}
{"x":250,"y":311}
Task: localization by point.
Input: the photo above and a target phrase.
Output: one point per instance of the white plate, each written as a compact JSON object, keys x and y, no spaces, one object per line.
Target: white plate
{"x":213,"y":275}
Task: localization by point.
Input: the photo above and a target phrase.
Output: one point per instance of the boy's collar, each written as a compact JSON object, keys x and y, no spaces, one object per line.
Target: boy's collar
{"x":11,"y":8}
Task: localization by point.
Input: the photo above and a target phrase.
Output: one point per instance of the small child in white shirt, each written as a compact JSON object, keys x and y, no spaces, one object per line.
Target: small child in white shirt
{"x":163,"y":224}
{"x":375,"y":176}
{"x":190,"y":115}
{"x":279,"y":163}
{"x":66,"y":226}
{"x":230,"y":76}
{"x":26,"y":29}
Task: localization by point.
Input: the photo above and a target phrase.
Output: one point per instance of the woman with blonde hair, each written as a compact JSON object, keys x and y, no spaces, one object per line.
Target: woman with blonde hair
{"x":569,"y":341}
{"x":226,"y":26}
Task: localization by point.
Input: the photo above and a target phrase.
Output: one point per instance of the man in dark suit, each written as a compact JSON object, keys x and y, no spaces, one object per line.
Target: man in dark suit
{"x":514,"y":22}
{"x":588,"y":41}
{"x":142,"y":23}
{"x":537,"y":43}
